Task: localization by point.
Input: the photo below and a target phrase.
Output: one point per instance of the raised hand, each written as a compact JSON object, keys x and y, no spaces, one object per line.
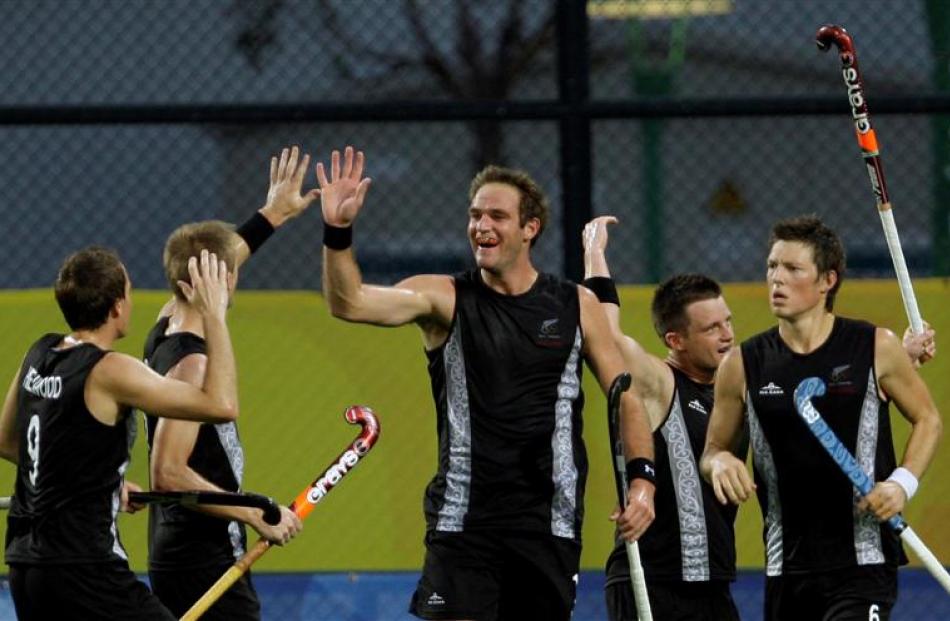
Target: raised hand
{"x":595,"y":233}
{"x":208,"y":291}
{"x":595,"y":246}
{"x":284,"y":198}
{"x":341,"y":197}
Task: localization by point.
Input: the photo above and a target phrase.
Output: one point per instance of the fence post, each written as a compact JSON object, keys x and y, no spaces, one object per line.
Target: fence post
{"x":938,"y":20}
{"x":575,"y":135}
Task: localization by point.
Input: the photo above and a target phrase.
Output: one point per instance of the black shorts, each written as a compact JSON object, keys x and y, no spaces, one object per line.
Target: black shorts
{"x":95,"y":591}
{"x":674,"y":601}
{"x":854,"y":593}
{"x":492,"y":576}
{"x":180,"y":589}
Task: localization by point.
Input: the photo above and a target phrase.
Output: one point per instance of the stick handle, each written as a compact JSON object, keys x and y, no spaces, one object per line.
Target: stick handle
{"x":900,"y":268}
{"x":228,"y":578}
{"x":815,"y":387}
{"x":302,"y":505}
{"x":270,"y":509}
{"x":639,"y":581}
{"x":637,"y":578}
{"x":933,"y":565}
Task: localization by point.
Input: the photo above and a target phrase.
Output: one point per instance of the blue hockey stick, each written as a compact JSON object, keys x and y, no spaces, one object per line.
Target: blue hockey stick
{"x":814,"y":387}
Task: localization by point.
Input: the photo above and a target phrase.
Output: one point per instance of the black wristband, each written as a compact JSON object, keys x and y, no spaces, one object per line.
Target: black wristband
{"x":604,"y":288}
{"x":641,"y":468}
{"x":337,"y":237}
{"x":255,"y":231}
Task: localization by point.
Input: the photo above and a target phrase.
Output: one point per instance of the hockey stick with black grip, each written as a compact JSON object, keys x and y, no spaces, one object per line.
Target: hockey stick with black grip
{"x":195,"y":498}
{"x":814,"y":387}
{"x":637,"y":579}
{"x":302,"y":505}
{"x":191,"y":499}
{"x":867,"y":140}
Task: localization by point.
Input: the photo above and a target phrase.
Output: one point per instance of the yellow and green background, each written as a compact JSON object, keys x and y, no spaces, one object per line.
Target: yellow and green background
{"x":299,"y":368}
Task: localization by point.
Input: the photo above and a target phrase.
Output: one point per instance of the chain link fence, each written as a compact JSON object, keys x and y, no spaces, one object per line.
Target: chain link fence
{"x":140,"y":116}
{"x":692,"y":192}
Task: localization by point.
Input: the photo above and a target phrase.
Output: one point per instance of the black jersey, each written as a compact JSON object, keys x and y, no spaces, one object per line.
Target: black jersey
{"x":507,"y":389}
{"x":692,"y":538}
{"x":808,"y":504}
{"x":181,"y":538}
{"x":71,"y":466}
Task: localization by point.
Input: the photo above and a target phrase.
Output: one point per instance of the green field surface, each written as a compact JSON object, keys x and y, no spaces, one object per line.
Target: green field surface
{"x":299,"y":368}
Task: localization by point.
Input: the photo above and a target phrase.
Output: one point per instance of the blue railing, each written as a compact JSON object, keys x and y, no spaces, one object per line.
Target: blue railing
{"x":384,"y":596}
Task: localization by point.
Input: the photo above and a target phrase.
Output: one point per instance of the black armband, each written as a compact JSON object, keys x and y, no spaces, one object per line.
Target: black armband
{"x":604,"y":288}
{"x":641,"y":468}
{"x":255,"y":231}
{"x":337,"y":237}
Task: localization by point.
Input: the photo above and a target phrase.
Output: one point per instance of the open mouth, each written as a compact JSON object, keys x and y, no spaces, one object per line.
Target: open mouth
{"x":486,"y":242}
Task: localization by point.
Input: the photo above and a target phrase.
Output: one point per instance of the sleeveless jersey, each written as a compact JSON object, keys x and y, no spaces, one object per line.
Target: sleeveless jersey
{"x":808,"y":504}
{"x":71,"y":466}
{"x":181,"y":538}
{"x":692,"y":538}
{"x":507,"y":390}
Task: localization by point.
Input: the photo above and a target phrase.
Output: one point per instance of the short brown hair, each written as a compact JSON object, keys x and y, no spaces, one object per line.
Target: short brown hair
{"x":89,"y":283}
{"x":825,"y":244}
{"x":188,"y":241}
{"x":674,"y":295}
{"x":533,"y":204}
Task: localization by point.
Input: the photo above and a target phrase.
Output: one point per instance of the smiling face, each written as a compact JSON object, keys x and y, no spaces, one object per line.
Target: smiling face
{"x":495,"y":232}
{"x":795,"y":285}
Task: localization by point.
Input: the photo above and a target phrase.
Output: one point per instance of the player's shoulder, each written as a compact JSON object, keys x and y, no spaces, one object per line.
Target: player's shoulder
{"x":766,"y":343}
{"x":116,"y":369}
{"x":886,"y":341}
{"x":851,"y":323}
{"x":116,"y":361}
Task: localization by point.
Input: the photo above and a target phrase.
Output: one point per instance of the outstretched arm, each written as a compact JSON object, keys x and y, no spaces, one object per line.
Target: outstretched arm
{"x":605,"y":361}
{"x":422,"y":299}
{"x":595,"y":264}
{"x":285,"y":200}
{"x":651,"y":376}
{"x":720,"y":467}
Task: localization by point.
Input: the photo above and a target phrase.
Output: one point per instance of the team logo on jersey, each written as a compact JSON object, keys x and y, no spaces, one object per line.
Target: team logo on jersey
{"x":840,"y":381}
{"x":696,"y":405}
{"x":840,"y":375}
{"x":771,"y":390}
{"x":550,"y":329}
{"x":549,"y":333}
